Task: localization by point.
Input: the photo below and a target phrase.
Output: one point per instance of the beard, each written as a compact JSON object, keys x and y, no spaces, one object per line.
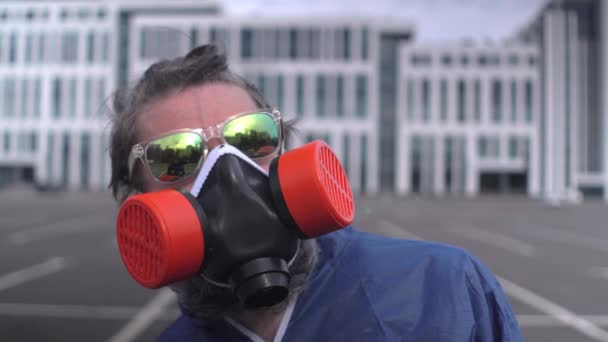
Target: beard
{"x":206,"y":301}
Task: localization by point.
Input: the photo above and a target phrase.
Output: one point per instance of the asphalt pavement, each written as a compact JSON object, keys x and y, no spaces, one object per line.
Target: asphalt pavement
{"x":61,"y":278}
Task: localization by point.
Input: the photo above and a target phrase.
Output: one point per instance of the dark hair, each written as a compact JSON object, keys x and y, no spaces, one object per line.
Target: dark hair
{"x":204,"y":64}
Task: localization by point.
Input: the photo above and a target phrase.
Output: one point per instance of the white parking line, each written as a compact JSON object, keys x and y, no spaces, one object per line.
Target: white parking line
{"x":554,"y":310}
{"x":496,"y":240}
{"x":76,"y":311}
{"x":389,"y":228}
{"x":146,"y":316}
{"x":534,"y":321}
{"x":55,"y":229}
{"x":572,"y":238}
{"x":52,"y":265}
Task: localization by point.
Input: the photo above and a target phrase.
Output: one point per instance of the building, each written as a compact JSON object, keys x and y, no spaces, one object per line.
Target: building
{"x":404,"y":117}
{"x":467,"y":119}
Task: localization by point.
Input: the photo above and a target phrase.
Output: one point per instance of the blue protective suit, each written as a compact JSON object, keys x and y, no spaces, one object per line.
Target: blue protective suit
{"x":372,"y":288}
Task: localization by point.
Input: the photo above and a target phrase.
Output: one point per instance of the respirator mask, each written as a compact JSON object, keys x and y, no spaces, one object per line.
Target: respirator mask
{"x":240,"y":226}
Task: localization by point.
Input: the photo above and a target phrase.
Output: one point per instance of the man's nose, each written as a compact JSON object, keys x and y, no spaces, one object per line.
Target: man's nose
{"x":213,"y":143}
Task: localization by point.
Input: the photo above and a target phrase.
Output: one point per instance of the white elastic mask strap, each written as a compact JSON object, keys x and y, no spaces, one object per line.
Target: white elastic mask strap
{"x":212,"y":158}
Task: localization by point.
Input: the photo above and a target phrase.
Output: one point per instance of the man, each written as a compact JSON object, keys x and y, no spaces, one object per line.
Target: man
{"x":344,"y":286}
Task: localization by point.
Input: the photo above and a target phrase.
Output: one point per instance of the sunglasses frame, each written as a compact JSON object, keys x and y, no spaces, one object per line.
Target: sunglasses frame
{"x":138,"y":151}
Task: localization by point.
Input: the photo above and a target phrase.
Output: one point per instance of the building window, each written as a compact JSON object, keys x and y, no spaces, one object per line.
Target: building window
{"x":340,"y":95}
{"x":261,"y":83}
{"x":29,"y":45}
{"x":73,"y":97}
{"x":280,"y":87}
{"x":88,"y":96}
{"x":25,"y":97}
{"x":496,"y":101}
{"x":443,"y":95}
{"x":33,"y":142}
{"x":420,"y":59}
{"x":529,"y":100}
{"x":346,"y":44}
{"x":41,"y":46}
{"x":461,"y":101}
{"x":346,"y":153}
{"x":7,"y":142}
{"x":482,"y":60}
{"x":513,"y":59}
{"x":426,"y":100}
{"x":513,"y":101}
{"x":446,"y":60}
{"x":364,"y":161}
{"x":531,"y":60}
{"x":37,"y":97}
{"x":246,"y":43}
{"x":293,"y":43}
{"x":361,"y":95}
{"x":66,"y":158}
{"x":85,"y":142}
{"x":482,"y":146}
{"x":464,"y":60}
{"x":12,"y":49}
{"x":9,"y":97}
{"x":477,"y":100}
{"x":365,"y":44}
{"x":513,"y":147}
{"x":91,"y":46}
{"x":69,"y":47}
{"x":105,"y":43}
{"x":300,"y":95}
{"x":410,"y":100}
{"x":56,"y":104}
{"x":321,"y":89}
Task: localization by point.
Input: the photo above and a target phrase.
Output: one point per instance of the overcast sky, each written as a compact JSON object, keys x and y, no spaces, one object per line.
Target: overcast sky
{"x":434,"y":20}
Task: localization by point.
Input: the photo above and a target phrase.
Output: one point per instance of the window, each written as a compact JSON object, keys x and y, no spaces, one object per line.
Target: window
{"x":410,"y":100}
{"x":33,"y":142}
{"x":73,"y":97}
{"x":346,"y":44}
{"x":529,"y":100}
{"x":12,"y":50}
{"x":446,"y":60}
{"x":29,"y":42}
{"x":69,"y":47}
{"x":346,"y":153}
{"x":420,"y":59}
{"x":482,"y":146}
{"x":25,"y":96}
{"x":9,"y":97}
{"x":477,"y":100}
{"x":91,"y":47}
{"x":426,"y":113}
{"x":88,"y":94}
{"x":496,"y":101}
{"x":513,"y":147}
{"x":246,"y":43}
{"x":482,"y":60}
{"x":443,"y":94}
{"x":361,"y":95}
{"x":7,"y":142}
{"x":41,"y":46}
{"x":300,"y":95}
{"x":461,"y":101}
{"x":340,"y":95}
{"x":531,"y":60}
{"x":66,"y":158}
{"x":513,"y":101}
{"x":37,"y":97}
{"x":261,"y":81}
{"x":513,"y":59}
{"x":321,"y":95}
{"x":365,"y":44}
{"x":363,"y":187}
{"x":280,"y":86}
{"x":293,"y":43}
{"x":101,"y":95}
{"x":56,"y":100}
{"x":464,"y":60}
{"x":105,"y":43}
{"x":85,"y":139}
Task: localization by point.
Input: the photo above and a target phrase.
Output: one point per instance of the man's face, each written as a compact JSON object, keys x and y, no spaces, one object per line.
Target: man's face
{"x":195,"y":107}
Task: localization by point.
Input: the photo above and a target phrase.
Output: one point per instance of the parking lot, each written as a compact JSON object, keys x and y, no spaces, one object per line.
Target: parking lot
{"x":61,"y":278}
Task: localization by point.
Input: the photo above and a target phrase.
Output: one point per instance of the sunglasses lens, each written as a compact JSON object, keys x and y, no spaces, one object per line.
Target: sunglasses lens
{"x":256,"y":135}
{"x":173,"y":157}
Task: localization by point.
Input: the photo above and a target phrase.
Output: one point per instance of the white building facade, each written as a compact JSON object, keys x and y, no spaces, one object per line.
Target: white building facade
{"x":404,"y":117}
{"x":468,"y":119}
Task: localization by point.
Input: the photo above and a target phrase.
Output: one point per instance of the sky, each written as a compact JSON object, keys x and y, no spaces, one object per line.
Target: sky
{"x":434,"y":20}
